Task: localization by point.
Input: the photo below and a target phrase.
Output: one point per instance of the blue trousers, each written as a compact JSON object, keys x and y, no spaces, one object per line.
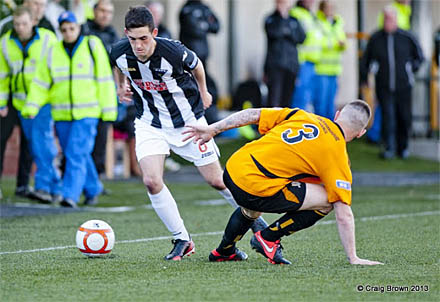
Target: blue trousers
{"x":324,"y":101}
{"x":374,"y":133}
{"x":77,"y":139}
{"x":41,"y":139}
{"x":303,"y":94}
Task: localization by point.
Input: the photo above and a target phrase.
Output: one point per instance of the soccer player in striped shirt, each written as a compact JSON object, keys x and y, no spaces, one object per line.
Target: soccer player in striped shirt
{"x":167,"y":84}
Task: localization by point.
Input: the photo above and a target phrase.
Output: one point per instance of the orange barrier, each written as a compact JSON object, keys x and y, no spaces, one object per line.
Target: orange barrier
{"x":434,"y":95}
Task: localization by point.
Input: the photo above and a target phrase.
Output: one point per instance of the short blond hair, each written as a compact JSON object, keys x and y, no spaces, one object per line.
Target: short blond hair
{"x":22,"y":10}
{"x":356,"y":115}
{"x":389,"y":9}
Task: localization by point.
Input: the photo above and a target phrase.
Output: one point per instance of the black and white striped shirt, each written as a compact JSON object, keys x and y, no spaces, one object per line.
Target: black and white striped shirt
{"x":165,"y":93}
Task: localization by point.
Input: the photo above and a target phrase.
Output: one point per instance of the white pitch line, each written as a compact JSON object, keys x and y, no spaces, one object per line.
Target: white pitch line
{"x":122,"y":209}
{"x":363,"y":219}
{"x":384,"y":217}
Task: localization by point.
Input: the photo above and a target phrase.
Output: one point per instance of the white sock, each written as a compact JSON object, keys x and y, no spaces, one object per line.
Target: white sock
{"x":228,"y":196}
{"x":166,"y":208}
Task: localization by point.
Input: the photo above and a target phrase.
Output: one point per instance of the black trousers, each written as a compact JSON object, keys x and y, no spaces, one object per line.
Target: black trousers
{"x":7,"y":124}
{"x":281,"y":83}
{"x":397,"y":117}
{"x":99,"y":150}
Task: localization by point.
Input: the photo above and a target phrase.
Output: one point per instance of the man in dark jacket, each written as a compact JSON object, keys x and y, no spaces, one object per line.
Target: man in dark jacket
{"x":393,"y":55}
{"x":196,"y":21}
{"x":101,"y":27}
{"x":283,"y":32}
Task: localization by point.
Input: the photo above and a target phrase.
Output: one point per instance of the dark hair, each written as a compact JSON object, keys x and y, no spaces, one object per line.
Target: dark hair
{"x":139,"y":16}
{"x":300,"y":3}
{"x":323,"y":4}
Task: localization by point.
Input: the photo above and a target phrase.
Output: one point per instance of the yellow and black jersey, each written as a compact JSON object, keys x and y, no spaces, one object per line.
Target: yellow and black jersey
{"x":296,"y":146}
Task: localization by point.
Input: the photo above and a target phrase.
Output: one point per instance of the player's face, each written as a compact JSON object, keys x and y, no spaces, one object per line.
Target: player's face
{"x":142,"y":41}
{"x":23,"y":26}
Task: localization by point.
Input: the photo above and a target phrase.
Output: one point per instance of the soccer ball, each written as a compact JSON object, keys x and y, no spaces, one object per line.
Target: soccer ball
{"x":95,"y":238}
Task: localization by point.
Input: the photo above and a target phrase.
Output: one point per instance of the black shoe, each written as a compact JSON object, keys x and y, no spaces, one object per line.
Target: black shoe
{"x":41,"y":196}
{"x":181,"y":249}
{"x":270,"y":250}
{"x":91,"y":201}
{"x":238,"y":255}
{"x":259,"y":225}
{"x":24,"y":191}
{"x":68,"y":203}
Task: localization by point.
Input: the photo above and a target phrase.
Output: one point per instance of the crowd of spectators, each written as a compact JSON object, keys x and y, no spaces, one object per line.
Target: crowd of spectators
{"x":303,"y":61}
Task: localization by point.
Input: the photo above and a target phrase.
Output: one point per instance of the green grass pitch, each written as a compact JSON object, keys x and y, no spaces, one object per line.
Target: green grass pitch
{"x":398,"y":226}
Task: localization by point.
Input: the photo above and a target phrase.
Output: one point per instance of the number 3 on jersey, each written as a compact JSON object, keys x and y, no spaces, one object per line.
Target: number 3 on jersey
{"x":308,"y":132}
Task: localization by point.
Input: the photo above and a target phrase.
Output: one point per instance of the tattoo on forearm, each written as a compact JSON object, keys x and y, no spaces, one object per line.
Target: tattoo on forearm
{"x":238,"y":119}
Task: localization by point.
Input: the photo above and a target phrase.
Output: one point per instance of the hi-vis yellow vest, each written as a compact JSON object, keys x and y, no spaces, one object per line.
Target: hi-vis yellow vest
{"x":18,"y":64}
{"x":403,"y":16}
{"x":330,"y":62}
{"x":88,"y":9}
{"x":77,"y":87}
{"x":310,"y":49}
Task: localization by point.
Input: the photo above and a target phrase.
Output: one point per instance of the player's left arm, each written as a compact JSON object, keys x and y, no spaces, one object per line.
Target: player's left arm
{"x":203,"y":134}
{"x":191,"y":63}
{"x":345,"y":222}
{"x":200,"y":76}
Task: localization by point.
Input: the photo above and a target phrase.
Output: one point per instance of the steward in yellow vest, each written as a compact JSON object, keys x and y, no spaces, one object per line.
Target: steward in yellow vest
{"x":76,"y":78}
{"x":329,"y":66}
{"x":21,"y":50}
{"x":78,"y":82}
{"x":309,"y":53}
{"x":310,"y":49}
{"x":18,"y":63}
{"x":333,"y":46}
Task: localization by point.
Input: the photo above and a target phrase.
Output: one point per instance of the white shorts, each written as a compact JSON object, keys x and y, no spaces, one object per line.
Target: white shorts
{"x":155,"y":141}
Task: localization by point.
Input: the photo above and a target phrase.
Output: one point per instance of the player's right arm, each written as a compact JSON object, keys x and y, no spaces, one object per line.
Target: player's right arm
{"x":122,"y":88}
{"x":345,"y":222}
{"x":203,"y":134}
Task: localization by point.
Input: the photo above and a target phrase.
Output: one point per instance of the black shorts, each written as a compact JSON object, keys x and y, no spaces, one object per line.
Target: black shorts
{"x":277,"y":203}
